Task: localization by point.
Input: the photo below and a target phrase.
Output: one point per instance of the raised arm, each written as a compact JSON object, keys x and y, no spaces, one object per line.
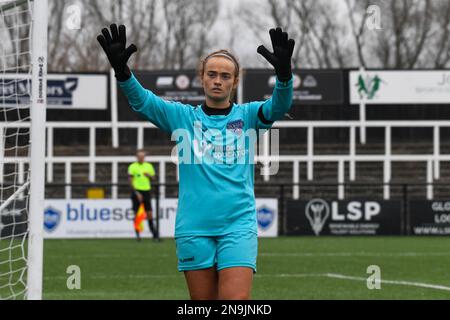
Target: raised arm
{"x":114,"y":46}
{"x":164,"y":114}
{"x":281,"y":100}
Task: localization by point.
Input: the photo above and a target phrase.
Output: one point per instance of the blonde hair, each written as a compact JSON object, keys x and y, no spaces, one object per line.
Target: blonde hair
{"x":220,"y":53}
{"x":224,"y":54}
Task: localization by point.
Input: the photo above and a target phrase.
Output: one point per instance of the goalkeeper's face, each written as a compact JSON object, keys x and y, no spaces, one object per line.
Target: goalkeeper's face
{"x":219,"y":79}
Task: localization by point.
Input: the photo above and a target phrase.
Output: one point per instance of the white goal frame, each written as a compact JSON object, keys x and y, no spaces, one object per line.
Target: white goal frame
{"x":37,"y":158}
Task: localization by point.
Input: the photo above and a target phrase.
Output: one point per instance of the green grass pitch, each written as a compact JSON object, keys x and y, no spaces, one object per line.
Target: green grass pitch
{"x":288,"y":268}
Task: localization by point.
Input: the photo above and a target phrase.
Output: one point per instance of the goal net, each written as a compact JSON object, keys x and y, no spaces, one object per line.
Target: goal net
{"x":23,"y":28}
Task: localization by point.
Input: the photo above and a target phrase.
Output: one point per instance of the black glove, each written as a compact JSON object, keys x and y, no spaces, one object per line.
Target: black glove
{"x":114,"y":46}
{"x":280,"y":59}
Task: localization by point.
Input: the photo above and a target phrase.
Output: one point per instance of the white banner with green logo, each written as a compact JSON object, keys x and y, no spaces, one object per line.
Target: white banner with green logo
{"x":399,"y":87}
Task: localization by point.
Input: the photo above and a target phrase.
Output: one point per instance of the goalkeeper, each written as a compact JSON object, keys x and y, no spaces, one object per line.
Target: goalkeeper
{"x":216,"y":227}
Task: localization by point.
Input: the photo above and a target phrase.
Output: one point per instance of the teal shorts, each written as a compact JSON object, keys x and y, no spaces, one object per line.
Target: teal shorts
{"x":237,"y":249}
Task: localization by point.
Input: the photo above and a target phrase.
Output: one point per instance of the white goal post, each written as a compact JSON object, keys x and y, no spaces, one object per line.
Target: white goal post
{"x":23,"y":25}
{"x":37,"y":165}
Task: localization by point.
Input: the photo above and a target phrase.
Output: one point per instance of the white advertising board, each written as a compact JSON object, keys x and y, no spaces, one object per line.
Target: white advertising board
{"x":400,"y":87}
{"x":64,"y":91}
{"x":106,"y":218}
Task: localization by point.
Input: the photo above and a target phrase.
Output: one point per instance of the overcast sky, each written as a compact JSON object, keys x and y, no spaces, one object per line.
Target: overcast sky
{"x":246,"y":43}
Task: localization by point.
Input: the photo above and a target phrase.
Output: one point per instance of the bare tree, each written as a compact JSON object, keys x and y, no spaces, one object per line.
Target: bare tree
{"x":442,"y":54}
{"x":56,"y":52}
{"x":414,"y":33}
{"x":17,"y":41}
{"x":358,"y":8}
{"x":410,"y":22}
{"x":78,"y":50}
{"x":325,"y":35}
{"x":139,"y":16}
{"x":169,"y":33}
{"x":258,"y":17}
{"x":406,"y":35}
{"x":176,"y":33}
{"x":320,"y":37}
{"x":187,"y":27}
{"x":207,"y":15}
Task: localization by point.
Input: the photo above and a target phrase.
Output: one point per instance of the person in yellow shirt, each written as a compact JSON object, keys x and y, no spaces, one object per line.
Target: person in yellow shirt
{"x":140,"y":174}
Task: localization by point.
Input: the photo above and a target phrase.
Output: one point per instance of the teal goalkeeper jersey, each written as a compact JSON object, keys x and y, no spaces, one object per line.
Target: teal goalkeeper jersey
{"x":215,"y":156}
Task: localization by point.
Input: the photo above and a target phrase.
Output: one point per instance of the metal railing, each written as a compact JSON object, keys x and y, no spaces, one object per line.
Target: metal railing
{"x":432,"y":160}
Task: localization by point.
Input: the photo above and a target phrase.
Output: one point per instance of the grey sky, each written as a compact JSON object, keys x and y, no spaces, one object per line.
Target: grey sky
{"x":246,"y":42}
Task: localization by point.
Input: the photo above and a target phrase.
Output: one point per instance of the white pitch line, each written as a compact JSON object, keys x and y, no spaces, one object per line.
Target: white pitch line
{"x":342,"y":276}
{"x":278,"y":275}
{"x":399,"y":282}
{"x":116,"y":256}
{"x":281,"y":254}
{"x":352,"y":254}
{"x":129,"y":276}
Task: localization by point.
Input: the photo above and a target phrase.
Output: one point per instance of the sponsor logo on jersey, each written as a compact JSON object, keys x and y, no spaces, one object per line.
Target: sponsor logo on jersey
{"x":182,"y":260}
{"x":236,"y":126}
